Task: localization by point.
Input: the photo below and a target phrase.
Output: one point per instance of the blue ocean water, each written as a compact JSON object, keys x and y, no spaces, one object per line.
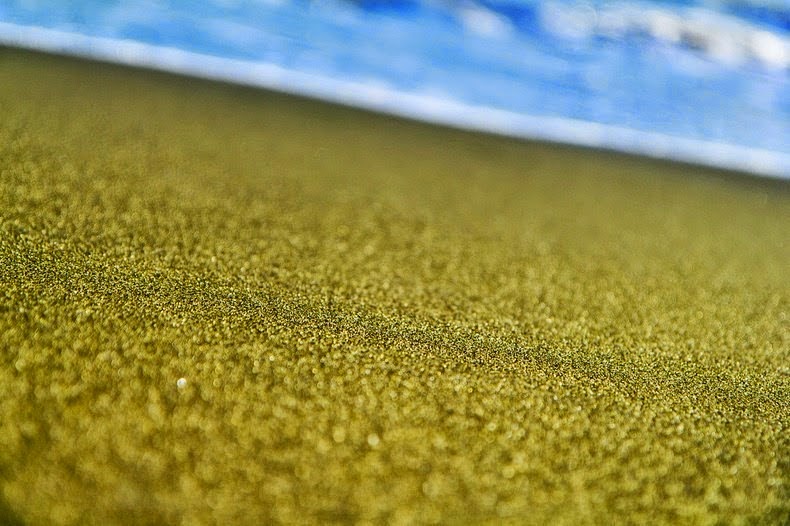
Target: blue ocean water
{"x":705,"y":81}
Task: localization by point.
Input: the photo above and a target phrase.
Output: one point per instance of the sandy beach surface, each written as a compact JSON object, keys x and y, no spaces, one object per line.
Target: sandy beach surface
{"x":226,"y":306}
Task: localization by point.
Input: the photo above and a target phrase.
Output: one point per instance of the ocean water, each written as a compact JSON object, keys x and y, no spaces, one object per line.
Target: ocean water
{"x":703,"y":81}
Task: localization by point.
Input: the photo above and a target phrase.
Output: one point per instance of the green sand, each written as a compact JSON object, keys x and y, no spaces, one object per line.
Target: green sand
{"x":377,"y":320}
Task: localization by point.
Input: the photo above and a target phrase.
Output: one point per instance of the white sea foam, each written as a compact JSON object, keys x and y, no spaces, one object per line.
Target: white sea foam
{"x":413,"y":105}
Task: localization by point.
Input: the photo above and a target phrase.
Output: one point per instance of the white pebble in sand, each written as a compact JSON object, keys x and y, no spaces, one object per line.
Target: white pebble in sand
{"x":181,"y":383}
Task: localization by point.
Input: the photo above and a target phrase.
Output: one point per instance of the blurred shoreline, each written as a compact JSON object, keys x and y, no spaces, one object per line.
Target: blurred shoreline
{"x":673,"y":81}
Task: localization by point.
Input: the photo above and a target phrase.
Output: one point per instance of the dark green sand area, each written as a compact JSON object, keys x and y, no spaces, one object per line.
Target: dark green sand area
{"x":377,"y":320}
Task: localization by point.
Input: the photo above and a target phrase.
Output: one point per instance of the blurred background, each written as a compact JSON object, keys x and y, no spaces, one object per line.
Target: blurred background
{"x":704,"y":81}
